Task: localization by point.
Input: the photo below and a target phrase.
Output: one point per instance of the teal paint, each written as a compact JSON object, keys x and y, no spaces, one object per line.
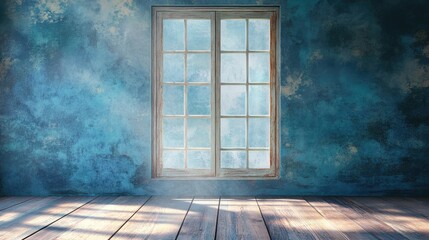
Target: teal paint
{"x":75,"y":99}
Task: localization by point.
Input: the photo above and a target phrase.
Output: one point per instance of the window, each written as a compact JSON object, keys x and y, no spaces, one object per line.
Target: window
{"x":215,"y":92}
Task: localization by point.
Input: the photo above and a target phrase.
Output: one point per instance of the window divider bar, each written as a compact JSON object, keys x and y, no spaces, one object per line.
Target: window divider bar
{"x":217,"y":80}
{"x":247,"y":93}
{"x":185,"y":80}
{"x":245,"y":51}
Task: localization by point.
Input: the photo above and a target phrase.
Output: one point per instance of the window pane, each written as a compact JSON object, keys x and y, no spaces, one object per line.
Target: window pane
{"x":199,"y":100}
{"x":233,"y":34}
{"x":233,"y":132}
{"x":259,"y":67}
{"x":233,"y":68}
{"x":199,"y":132}
{"x":233,"y":159}
{"x":174,"y":34}
{"x":173,"y":100}
{"x":259,"y":100}
{"x":259,"y":159}
{"x":233,"y":100}
{"x":173,"y":159}
{"x":199,"y":67}
{"x":259,"y":34}
{"x":173,"y":68}
{"x":172,"y":132}
{"x":199,"y":159}
{"x":198,"y":34}
{"x":259,"y":132}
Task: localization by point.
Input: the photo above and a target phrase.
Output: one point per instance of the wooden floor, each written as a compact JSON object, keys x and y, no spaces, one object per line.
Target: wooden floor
{"x":213,"y":218}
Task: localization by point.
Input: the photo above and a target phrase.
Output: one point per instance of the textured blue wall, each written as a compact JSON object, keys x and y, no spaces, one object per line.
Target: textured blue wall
{"x":75,"y":99}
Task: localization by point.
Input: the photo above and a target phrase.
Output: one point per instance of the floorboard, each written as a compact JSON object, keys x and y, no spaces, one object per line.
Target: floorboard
{"x":24,"y":219}
{"x":145,"y":217}
{"x":296,"y":219}
{"x":406,"y":222}
{"x":348,"y":227}
{"x":200,"y":222}
{"x":159,"y":218}
{"x":97,"y":220}
{"x":370,"y":224}
{"x":240,"y":218}
{"x":7,"y":202}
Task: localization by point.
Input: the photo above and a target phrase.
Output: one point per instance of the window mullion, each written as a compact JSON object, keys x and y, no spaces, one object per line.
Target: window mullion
{"x":217,"y":91}
{"x":185,"y":93}
{"x":247,"y":93}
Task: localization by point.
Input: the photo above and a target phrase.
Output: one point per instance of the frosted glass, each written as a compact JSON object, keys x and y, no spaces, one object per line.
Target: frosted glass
{"x":233,"y":100}
{"x":259,"y":132}
{"x":259,"y":34}
{"x":199,"y":132}
{"x":199,"y":67}
{"x":173,"y":159}
{"x":174,"y":34}
{"x":233,"y":159}
{"x":199,"y":34}
{"x":173,"y":132}
{"x":233,"y":67}
{"x":172,"y":100}
{"x":259,"y":159}
{"x":259,"y":100}
{"x":233,"y":34}
{"x":199,"y":159}
{"x":199,"y":100}
{"x":259,"y":67}
{"x":173,"y":67}
{"x":233,"y":132}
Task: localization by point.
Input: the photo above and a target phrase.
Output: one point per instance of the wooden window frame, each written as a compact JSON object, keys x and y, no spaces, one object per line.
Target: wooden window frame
{"x":215,"y":14}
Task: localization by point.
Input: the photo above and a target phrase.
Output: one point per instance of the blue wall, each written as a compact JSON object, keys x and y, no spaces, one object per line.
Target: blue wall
{"x":75,"y":99}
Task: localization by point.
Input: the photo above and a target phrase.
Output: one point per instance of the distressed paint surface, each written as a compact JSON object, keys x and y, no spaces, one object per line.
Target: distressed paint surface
{"x":75,"y":99}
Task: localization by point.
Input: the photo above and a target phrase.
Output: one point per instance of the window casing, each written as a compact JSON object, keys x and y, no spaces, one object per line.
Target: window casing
{"x":214,"y":83}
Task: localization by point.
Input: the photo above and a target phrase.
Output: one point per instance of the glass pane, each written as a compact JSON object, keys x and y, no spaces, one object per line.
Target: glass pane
{"x":259,"y":100}
{"x":259,"y":132}
{"x":259,"y":67}
{"x":233,"y":34}
{"x":174,"y":34}
{"x":199,"y":67}
{"x":233,"y":132}
{"x":259,"y":159}
{"x":173,"y":68}
{"x":199,"y":130}
{"x":198,"y":34}
{"x":173,"y":159}
{"x":233,"y":100}
{"x":199,"y":100}
{"x":172,"y":100}
{"x":199,"y":159}
{"x":233,"y":159}
{"x":233,"y":68}
{"x":172,"y":132}
{"x":259,"y":34}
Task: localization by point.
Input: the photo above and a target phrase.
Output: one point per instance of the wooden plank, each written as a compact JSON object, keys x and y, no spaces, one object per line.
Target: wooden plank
{"x":364,"y":219}
{"x":159,"y":218}
{"x":294,"y":218}
{"x":418,"y":206}
{"x":240,"y":218}
{"x":348,"y":227}
{"x":407,"y":223}
{"x":7,"y":202}
{"x":24,"y":219}
{"x":200,"y":222}
{"x":99,"y":219}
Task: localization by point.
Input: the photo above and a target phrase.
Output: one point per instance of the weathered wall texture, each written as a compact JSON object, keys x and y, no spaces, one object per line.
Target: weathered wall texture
{"x":75,"y":99}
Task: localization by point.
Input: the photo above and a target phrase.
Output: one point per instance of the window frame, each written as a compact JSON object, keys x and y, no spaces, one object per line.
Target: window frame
{"x":215,"y":14}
